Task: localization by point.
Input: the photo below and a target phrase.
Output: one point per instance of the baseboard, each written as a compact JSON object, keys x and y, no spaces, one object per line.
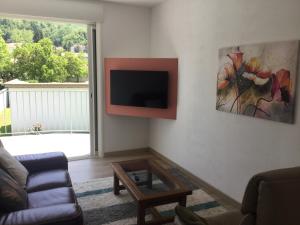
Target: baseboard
{"x":126,"y":152}
{"x":219,"y":195}
{"x":76,"y":158}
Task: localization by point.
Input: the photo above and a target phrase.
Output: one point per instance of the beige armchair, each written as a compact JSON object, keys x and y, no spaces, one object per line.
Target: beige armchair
{"x":271,"y":198}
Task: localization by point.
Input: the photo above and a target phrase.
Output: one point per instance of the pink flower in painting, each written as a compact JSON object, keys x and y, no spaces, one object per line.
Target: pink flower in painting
{"x":253,"y":66}
{"x":225,"y":76}
{"x":255,"y":73}
{"x":284,"y":79}
{"x":281,"y":86}
{"x":275,"y":88}
{"x":237,"y":59}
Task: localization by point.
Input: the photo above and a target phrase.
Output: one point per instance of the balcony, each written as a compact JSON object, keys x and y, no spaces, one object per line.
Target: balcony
{"x":43,"y":117}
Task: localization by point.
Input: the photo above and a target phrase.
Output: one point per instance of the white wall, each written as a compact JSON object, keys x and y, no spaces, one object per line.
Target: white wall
{"x":221,"y":148}
{"x":125,"y":33}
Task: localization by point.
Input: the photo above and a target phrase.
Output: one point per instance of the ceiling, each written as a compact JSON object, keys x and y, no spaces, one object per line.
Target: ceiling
{"x":148,"y":3}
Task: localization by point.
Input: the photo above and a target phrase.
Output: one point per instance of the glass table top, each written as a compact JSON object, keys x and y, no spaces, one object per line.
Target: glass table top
{"x":149,"y":177}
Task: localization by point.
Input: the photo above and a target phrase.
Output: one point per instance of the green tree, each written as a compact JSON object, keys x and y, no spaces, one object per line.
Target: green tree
{"x":54,"y":69}
{"x":23,"y":62}
{"x":37,"y":28}
{"x":21,"y":36}
{"x":61,"y":34}
{"x":76,"y":66}
{"x":6,"y":26}
{"x":39,"y":61}
{"x":75,"y":37}
{"x":57,"y":36}
{"x":5,"y":62}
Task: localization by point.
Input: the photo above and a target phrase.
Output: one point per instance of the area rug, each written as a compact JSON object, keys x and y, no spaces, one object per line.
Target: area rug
{"x":101,"y":206}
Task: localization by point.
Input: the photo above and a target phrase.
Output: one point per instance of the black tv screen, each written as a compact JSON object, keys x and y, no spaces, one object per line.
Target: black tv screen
{"x":139,"y":88}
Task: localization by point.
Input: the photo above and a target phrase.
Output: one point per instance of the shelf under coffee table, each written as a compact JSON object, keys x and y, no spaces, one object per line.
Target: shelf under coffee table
{"x":150,"y":185}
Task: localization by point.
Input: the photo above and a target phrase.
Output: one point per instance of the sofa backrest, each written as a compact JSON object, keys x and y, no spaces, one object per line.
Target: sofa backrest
{"x":273,"y":198}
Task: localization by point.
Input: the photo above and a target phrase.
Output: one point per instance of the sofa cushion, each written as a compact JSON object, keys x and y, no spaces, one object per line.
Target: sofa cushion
{"x":12,"y":196}
{"x":65,"y":214}
{"x":12,"y":166}
{"x":48,"y":179}
{"x":43,"y":161}
{"x":51,"y":197}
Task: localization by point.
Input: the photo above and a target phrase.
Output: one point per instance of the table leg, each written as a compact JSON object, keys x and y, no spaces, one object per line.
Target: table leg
{"x":182,"y":201}
{"x":116,"y":185}
{"x":141,"y":215}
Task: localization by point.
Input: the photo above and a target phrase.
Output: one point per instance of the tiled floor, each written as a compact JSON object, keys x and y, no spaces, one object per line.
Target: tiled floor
{"x":73,"y":145}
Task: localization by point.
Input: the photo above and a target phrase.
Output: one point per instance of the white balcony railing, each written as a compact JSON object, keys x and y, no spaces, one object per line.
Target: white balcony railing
{"x":47,"y":109}
{"x":3,"y":99}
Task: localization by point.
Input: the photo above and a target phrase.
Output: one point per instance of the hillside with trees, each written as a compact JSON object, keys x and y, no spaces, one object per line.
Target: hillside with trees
{"x":42,"y":51}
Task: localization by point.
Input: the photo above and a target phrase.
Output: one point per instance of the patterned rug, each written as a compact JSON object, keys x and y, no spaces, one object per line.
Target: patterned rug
{"x":101,"y":206}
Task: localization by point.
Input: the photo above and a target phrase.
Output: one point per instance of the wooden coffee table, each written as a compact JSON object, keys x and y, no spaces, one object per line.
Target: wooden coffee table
{"x":150,"y":185}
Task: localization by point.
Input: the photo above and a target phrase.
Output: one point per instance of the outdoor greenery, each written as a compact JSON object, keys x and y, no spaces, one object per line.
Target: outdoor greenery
{"x":41,"y":51}
{"x":21,"y":36}
{"x":5,"y":121}
{"x":5,"y":61}
{"x":61,"y":34}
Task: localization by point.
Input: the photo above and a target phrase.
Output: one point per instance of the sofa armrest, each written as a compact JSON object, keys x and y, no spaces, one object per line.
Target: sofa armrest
{"x":45,"y":161}
{"x":65,"y":214}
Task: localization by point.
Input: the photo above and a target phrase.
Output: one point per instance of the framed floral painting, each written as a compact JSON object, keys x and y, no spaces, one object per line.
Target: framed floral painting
{"x":259,"y":80}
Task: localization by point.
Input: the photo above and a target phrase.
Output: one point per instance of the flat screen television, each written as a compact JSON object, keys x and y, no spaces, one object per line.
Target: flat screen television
{"x":139,"y":88}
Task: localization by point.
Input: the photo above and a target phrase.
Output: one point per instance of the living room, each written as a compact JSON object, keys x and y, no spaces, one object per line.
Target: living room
{"x":213,"y":153}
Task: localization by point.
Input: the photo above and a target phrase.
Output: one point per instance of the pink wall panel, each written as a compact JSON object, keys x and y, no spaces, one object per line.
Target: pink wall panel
{"x":153,"y":64}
